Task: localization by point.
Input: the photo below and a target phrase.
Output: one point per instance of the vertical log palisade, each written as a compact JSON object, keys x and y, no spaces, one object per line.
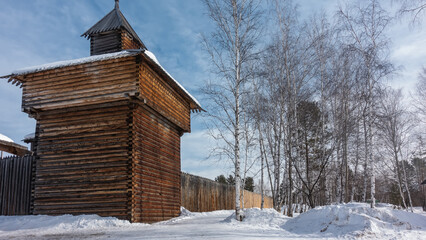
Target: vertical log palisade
{"x":108,"y":129}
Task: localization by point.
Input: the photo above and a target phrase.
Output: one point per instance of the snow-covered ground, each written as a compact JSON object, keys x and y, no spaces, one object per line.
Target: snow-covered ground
{"x":349,"y":221}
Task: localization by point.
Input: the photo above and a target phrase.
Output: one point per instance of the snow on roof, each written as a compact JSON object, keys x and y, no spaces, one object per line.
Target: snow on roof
{"x":29,"y":137}
{"x":73,"y":62}
{"x":4,"y":138}
{"x":153,"y":58}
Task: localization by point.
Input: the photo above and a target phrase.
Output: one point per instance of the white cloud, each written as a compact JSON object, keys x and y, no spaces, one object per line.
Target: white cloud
{"x":407,"y":52}
{"x":412,"y":51}
{"x":409,"y":48}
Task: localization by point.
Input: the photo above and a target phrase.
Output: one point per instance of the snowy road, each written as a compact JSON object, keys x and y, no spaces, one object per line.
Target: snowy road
{"x":351,"y":221}
{"x":201,"y":226}
{"x":213,"y":225}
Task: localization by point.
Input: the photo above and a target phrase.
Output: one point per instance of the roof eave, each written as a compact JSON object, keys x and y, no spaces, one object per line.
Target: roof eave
{"x":13,"y":79}
{"x":6,"y":76}
{"x":194,"y":105}
{"x":13,"y":148}
{"x":89,"y":31}
{"x":73,"y":62}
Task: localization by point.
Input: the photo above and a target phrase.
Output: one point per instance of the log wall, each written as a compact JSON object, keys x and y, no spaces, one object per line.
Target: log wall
{"x":84,"y":84}
{"x":156,"y":167}
{"x":204,"y":195}
{"x":15,"y":185}
{"x":128,"y":42}
{"x":105,"y":43}
{"x":83,"y":164}
{"x":113,"y":41}
{"x":108,"y":140}
{"x":163,"y":98}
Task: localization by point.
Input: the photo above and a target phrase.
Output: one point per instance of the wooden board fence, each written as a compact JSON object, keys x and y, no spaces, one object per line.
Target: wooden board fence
{"x":198,"y":194}
{"x":15,"y":185}
{"x":252,"y":200}
{"x":204,"y":195}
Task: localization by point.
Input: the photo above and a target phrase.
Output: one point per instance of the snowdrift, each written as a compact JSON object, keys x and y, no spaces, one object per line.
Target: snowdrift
{"x":266,"y":218}
{"x":346,"y":221}
{"x":39,"y":225}
{"x":355,"y":219}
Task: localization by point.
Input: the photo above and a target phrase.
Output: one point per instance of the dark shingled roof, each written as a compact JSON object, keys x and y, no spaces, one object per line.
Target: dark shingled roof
{"x":114,"y":20}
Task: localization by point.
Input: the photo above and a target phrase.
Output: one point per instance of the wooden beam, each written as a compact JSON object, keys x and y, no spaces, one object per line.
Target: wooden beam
{"x":13,"y":148}
{"x":6,"y":76}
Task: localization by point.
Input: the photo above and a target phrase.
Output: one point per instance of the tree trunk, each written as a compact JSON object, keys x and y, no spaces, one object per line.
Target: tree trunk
{"x":354,"y":188}
{"x":261,"y":166}
{"x":237,"y":170}
{"x":370,"y":153}
{"x":345,"y":154}
{"x":290,"y":186}
{"x":364,"y":191}
{"x":406,"y":186}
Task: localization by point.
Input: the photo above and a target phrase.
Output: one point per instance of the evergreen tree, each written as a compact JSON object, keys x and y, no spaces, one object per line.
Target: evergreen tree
{"x":221,"y":179}
{"x":249,"y":184}
{"x":231,"y":180}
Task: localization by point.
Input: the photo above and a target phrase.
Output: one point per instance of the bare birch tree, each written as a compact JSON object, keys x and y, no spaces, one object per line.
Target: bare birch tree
{"x":419,"y":97}
{"x":365,"y":27}
{"x":394,"y":126}
{"x":414,"y":8}
{"x":270,"y":112}
{"x":295,"y":70}
{"x":232,"y":46}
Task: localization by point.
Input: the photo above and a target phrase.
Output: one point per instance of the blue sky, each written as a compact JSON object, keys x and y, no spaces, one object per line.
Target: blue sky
{"x":35,"y":32}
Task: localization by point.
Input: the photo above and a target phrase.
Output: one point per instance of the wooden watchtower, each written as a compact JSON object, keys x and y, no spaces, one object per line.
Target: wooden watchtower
{"x":108,"y":129}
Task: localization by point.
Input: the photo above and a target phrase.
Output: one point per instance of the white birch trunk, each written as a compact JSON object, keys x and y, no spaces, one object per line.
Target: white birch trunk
{"x":371,"y":160}
{"x":406,"y":186}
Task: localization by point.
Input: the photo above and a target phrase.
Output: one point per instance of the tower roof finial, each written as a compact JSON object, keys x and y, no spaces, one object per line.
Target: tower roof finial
{"x":113,"y":23}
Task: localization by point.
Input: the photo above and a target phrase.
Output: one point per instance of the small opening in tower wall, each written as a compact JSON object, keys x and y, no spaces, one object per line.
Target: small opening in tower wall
{"x":129,"y":36}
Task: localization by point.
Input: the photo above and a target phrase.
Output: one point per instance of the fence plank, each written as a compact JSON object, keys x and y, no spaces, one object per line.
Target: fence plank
{"x":15,"y":185}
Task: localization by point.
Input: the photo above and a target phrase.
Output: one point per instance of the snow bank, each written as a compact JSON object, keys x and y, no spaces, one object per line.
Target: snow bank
{"x":347,"y":221}
{"x":185,"y":213}
{"x":266,"y":218}
{"x":38,"y":225}
{"x":4,"y":138}
{"x":355,"y":219}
